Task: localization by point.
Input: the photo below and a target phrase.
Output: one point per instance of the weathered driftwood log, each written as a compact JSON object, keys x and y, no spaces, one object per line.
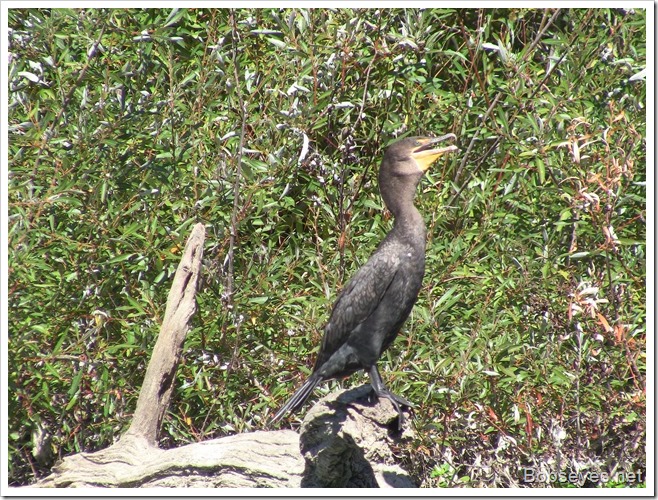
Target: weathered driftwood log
{"x":140,"y":440}
{"x":344,"y":440}
{"x":257,"y":459}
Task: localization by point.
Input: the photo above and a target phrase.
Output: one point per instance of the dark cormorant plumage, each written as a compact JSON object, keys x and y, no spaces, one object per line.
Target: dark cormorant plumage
{"x":374,"y":304}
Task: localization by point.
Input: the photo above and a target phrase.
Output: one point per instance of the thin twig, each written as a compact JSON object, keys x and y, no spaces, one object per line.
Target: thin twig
{"x":236,"y":190}
{"x":238,"y":161}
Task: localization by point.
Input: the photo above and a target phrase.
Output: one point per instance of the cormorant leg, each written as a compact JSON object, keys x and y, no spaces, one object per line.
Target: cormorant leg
{"x":382,"y":392}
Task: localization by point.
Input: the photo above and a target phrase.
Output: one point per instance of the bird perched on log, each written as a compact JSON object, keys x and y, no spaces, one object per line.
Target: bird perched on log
{"x":373,"y":305}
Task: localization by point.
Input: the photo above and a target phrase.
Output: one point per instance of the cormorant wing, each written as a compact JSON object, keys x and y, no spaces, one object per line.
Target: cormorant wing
{"x":357,"y":301}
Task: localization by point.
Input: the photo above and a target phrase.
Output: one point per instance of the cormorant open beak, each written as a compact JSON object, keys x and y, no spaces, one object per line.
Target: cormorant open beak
{"x":426,"y":153}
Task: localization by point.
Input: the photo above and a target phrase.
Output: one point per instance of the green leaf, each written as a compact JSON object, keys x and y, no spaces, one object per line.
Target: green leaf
{"x":174,"y":16}
{"x":258,"y":300}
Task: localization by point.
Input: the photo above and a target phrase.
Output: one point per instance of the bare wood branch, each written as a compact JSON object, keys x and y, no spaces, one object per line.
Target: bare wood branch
{"x":181,"y":305}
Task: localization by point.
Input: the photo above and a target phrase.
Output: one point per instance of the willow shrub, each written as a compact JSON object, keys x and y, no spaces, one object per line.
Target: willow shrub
{"x":127,"y":126}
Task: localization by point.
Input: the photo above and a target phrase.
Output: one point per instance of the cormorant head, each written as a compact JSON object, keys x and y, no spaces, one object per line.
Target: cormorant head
{"x":414,"y":155}
{"x":404,"y":164}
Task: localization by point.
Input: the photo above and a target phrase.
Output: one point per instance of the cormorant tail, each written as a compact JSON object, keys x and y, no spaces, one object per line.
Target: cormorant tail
{"x":297,"y":399}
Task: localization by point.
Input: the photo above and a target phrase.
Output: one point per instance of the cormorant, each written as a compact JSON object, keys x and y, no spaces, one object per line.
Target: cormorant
{"x":373,"y":305}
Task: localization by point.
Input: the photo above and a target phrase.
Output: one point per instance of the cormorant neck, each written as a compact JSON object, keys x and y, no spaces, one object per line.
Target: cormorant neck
{"x":410,"y":221}
{"x":398,"y":193}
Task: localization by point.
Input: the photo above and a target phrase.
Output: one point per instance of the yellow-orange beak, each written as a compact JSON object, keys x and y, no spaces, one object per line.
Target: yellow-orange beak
{"x":426,"y":153}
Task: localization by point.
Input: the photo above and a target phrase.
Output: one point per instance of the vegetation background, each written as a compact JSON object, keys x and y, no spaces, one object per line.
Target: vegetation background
{"x":128,"y":126}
